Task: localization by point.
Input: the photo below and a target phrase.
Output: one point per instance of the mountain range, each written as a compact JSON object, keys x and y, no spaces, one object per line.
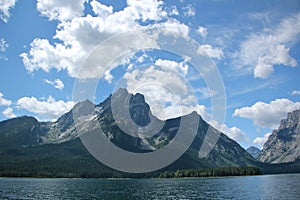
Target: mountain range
{"x":54,"y":149}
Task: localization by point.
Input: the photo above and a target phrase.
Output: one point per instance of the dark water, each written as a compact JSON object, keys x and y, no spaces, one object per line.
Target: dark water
{"x":248,"y":187}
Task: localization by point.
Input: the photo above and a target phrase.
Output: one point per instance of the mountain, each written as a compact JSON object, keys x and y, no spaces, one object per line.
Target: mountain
{"x":20,"y":132}
{"x":54,"y":149}
{"x":283,"y":145}
{"x":253,"y":151}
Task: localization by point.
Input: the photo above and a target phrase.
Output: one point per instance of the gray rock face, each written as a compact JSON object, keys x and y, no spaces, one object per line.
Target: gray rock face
{"x":253,"y":151}
{"x":283,"y":145}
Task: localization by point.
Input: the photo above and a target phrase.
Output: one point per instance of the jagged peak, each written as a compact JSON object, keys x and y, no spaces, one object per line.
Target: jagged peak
{"x":85,"y":102}
{"x":293,"y":118}
{"x":283,"y":144}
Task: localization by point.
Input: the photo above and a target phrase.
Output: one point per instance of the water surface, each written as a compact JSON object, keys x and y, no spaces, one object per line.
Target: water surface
{"x":285,"y":186}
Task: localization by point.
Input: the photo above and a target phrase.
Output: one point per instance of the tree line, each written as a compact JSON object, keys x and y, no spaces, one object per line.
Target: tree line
{"x":217,"y":172}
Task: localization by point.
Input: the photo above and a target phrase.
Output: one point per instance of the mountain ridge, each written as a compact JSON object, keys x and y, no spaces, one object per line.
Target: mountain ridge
{"x":58,"y":142}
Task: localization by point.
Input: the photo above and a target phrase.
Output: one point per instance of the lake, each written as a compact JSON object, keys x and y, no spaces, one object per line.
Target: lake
{"x":284,"y":186}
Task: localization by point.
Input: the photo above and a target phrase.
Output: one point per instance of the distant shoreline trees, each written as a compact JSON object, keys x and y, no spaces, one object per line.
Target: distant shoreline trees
{"x":183,"y":173}
{"x":218,"y":172}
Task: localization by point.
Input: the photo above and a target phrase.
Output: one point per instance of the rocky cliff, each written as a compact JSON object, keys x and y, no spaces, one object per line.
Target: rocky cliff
{"x":283,"y":145}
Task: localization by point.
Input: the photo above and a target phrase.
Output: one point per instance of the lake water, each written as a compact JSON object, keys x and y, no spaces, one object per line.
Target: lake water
{"x":285,"y":186}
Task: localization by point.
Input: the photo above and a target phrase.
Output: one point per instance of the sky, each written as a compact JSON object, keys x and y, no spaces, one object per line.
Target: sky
{"x":234,"y":62}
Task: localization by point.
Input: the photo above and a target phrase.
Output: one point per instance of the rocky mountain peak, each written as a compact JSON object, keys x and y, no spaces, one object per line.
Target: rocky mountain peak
{"x":292,"y":120}
{"x":283,"y":145}
{"x":253,"y":151}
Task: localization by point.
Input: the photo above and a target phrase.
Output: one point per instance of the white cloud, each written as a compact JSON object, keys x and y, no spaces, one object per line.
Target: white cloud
{"x":261,"y":51}
{"x":260,"y":141}
{"x":44,"y":56}
{"x":3,"y":45}
{"x":202,"y":31}
{"x":208,"y":50}
{"x":57,"y":83}
{"x":3,"y":101}
{"x":101,"y":10}
{"x":8,"y":112}
{"x":49,"y":109}
{"x":141,"y":58}
{"x":232,"y":132}
{"x":189,"y":10}
{"x":174,"y":25}
{"x":263,"y":70}
{"x":108,"y":76}
{"x":296,"y":92}
{"x":267,"y":115}
{"x":181,"y":68}
{"x":164,"y":89}
{"x":5,"y":6}
{"x":146,"y":9}
{"x":61,"y":10}
{"x":174,"y":10}
{"x":79,"y":35}
{"x":174,"y":111}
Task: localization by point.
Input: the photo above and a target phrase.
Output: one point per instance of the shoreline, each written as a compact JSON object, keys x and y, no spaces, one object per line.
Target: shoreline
{"x":131,"y":178}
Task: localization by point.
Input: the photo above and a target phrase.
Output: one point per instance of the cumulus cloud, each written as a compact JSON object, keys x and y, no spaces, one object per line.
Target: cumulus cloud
{"x":174,"y":25}
{"x":3,"y":45}
{"x":61,"y":10}
{"x":164,"y":88}
{"x":174,"y":111}
{"x":234,"y":133}
{"x":8,"y":112}
{"x":260,"y":141}
{"x":208,"y":50}
{"x":296,"y":92}
{"x":262,"y":51}
{"x":48,"y":109}
{"x":267,"y":115}
{"x":101,"y":10}
{"x":5,"y":6}
{"x":108,"y":76}
{"x":57,"y":83}
{"x":146,"y":9}
{"x":80,"y":34}
{"x":3,"y":101}
{"x":189,"y":11}
{"x":181,"y":68}
{"x":202,"y":31}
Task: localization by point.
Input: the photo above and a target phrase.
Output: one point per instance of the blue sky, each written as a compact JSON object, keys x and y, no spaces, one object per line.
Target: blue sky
{"x":253,"y":44}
